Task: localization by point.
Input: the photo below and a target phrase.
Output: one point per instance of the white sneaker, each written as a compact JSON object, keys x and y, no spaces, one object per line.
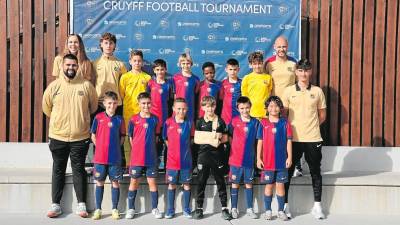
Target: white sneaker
{"x":235,"y":213}
{"x":282,"y":216}
{"x":250,"y":213}
{"x":156,"y":213}
{"x":317,"y":212}
{"x":268,"y":215}
{"x":130,"y":214}
{"x":81,"y":210}
{"x":287,"y":211}
{"x":54,"y":211}
{"x":297,"y":173}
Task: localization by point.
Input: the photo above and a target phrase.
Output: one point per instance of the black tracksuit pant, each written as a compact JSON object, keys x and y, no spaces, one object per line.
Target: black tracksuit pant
{"x":60,"y":152}
{"x":313,"y":156}
{"x":209,"y":164}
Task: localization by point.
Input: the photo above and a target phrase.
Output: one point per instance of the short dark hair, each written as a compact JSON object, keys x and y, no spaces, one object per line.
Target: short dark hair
{"x":136,"y":52}
{"x":255,"y":57}
{"x":232,"y":62}
{"x":70,"y":56}
{"x":159,"y":62}
{"x":304,"y":64}
{"x":243,"y":100}
{"x":275,"y":99}
{"x":208,"y":64}
{"x":111,"y":95}
{"x":177,"y":100}
{"x":143,"y":95}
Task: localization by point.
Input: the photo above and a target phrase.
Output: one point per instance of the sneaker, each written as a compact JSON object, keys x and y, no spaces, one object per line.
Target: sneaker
{"x":317,"y":212}
{"x":81,"y":210}
{"x":54,"y":211}
{"x":198,"y":214}
{"x":130,"y":214}
{"x":225,"y":214}
{"x":250,"y":213}
{"x":297,"y":173}
{"x":115,"y":214}
{"x":156,"y":213}
{"x":187,"y":213}
{"x":235,"y":213}
{"x":282,"y":216}
{"x":170,"y":214}
{"x":287,"y":211}
{"x":97,"y":214}
{"x":268,"y":215}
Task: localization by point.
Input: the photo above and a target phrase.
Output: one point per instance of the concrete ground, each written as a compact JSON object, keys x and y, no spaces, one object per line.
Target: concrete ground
{"x":148,"y":219}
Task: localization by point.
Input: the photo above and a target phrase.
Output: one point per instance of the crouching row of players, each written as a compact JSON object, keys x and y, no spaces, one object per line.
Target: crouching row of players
{"x":268,"y":140}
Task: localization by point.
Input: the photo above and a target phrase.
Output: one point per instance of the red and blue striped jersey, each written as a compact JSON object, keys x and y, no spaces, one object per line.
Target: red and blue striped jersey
{"x":207,"y":88}
{"x":229,"y":94}
{"x":179,"y":155}
{"x":143,"y":133}
{"x":160,"y":94}
{"x":187,"y":88}
{"x":108,"y":131}
{"x":275,"y":137}
{"x":244,"y":137}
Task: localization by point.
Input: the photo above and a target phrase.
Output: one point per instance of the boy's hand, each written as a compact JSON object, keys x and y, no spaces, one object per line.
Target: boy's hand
{"x":260,"y":164}
{"x":288,"y":163}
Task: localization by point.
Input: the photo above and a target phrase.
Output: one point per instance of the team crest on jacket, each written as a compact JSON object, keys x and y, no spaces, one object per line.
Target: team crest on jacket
{"x":186,"y":83}
{"x":116,"y":69}
{"x":110,"y":124}
{"x":145,"y":125}
{"x":232,"y":90}
{"x":208,"y":90}
{"x":81,"y":93}
{"x":160,"y":91}
{"x":274,"y":130}
{"x":179,"y":130}
{"x":246,"y":129}
{"x":312,"y":96}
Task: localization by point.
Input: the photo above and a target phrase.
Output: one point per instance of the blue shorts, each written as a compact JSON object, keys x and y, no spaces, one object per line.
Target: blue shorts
{"x":183,"y":176}
{"x":271,"y":177}
{"x":236,"y":174}
{"x":101,"y":171}
{"x":137,"y":171}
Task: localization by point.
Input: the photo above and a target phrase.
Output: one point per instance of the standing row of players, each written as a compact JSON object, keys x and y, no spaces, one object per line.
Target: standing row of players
{"x":111,"y":75}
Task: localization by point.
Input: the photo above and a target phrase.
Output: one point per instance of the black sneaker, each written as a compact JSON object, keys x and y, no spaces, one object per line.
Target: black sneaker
{"x":226,"y":215}
{"x":198,"y":214}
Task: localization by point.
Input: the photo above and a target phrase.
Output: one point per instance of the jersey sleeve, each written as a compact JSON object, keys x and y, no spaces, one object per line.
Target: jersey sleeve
{"x":244,"y":86}
{"x":321,"y":102}
{"x":289,"y":132}
{"x":221,"y":91}
{"x":230,"y":129}
{"x":148,"y":87}
{"x":93,"y":129}
{"x":222,"y":126}
{"x":285,"y":97}
{"x":198,"y":125}
{"x":260,"y":132}
{"x":122,"y":86}
{"x":131,"y":127}
{"x":164,"y":131}
{"x":56,"y":66}
{"x":122,"y":129}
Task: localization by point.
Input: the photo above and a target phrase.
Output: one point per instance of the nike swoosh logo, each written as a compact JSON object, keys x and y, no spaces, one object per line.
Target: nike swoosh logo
{"x":219,"y":167}
{"x":319,"y":145}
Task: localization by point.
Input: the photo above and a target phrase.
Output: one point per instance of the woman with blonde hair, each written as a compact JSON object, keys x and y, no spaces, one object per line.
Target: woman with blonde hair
{"x":74,"y":45}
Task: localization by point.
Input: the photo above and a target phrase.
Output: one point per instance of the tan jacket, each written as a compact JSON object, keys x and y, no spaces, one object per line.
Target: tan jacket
{"x":69,"y":104}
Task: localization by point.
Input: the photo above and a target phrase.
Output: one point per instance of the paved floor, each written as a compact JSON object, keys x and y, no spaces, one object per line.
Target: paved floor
{"x":213,"y":219}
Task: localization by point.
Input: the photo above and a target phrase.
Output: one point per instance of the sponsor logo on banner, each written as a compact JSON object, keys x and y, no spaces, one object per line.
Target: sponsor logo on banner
{"x":90,"y":3}
{"x":212,"y":52}
{"x":91,"y":36}
{"x":115,"y":22}
{"x":142,"y":23}
{"x":190,"y":38}
{"x":92,"y":49}
{"x":286,"y":26}
{"x":188,"y":24}
{"x":120,"y":36}
{"x":164,"y":37}
{"x":166,"y":51}
{"x":262,"y":39}
{"x":236,"y":39}
{"x":236,"y":25}
{"x":89,"y":21}
{"x":283,"y":9}
{"x":215,"y":25}
{"x":292,"y":54}
{"x":144,"y":50}
{"x":211,"y":37}
{"x":164,"y":23}
{"x":238,"y":52}
{"x":260,"y":26}
{"x":139,"y":36}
